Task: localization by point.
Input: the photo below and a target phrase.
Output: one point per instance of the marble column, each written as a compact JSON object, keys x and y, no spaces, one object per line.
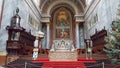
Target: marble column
{"x":81,"y":36}
{"x":48,"y":36}
{"x":77,"y":35}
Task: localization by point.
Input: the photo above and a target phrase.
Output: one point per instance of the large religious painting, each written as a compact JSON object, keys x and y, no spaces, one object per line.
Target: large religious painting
{"x":62,"y":24}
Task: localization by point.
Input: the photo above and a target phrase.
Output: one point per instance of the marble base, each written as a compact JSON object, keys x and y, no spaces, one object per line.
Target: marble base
{"x":63,"y":56}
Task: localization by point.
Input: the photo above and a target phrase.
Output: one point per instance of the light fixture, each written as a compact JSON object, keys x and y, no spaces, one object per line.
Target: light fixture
{"x":40,"y":34}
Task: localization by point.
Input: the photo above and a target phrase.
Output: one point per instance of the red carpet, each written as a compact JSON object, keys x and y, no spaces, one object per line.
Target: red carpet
{"x":64,"y":64}
{"x":86,"y":60}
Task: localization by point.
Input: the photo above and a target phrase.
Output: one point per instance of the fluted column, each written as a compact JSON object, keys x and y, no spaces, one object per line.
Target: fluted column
{"x":77,"y":35}
{"x":48,"y":36}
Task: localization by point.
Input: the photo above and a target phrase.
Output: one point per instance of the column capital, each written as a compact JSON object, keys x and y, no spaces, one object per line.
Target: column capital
{"x":79,"y":18}
{"x":47,"y":23}
{"x":77,"y":23}
{"x":45,"y":18}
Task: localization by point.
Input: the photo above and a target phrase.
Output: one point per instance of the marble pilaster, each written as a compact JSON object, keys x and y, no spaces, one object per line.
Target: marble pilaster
{"x":48,"y":35}
{"x":77,"y":35}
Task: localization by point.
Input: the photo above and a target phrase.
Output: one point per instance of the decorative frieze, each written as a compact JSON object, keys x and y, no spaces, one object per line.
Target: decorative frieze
{"x":45,"y":18}
{"x":79,"y":18}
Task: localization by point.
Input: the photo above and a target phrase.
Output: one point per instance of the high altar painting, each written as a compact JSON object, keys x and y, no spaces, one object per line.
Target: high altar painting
{"x":62,"y":24}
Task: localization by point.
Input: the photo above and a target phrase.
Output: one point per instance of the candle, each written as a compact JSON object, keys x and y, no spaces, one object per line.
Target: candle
{"x":17,"y":20}
{"x":91,"y":44}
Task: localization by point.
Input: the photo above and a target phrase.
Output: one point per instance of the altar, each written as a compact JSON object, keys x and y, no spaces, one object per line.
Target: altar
{"x":63,"y":50}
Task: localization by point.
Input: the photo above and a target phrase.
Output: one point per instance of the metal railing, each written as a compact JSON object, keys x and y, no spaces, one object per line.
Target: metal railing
{"x":103,"y":65}
{"x":97,"y":65}
{"x":25,"y":65}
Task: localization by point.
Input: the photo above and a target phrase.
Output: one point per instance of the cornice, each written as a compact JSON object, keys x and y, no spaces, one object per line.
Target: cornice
{"x":34,"y":9}
{"x":91,"y":8}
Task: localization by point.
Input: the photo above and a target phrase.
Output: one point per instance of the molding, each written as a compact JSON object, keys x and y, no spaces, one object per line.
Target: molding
{"x":79,"y":18}
{"x":34,"y":9}
{"x":43,"y":4}
{"x":3,"y":53}
{"x":65,"y":1}
{"x":45,"y":18}
{"x":38,"y":9}
{"x":2,"y":7}
{"x":82,"y":5}
{"x":89,"y":10}
{"x":45,"y":15}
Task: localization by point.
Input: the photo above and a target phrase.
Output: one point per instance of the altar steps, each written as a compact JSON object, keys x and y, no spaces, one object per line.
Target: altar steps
{"x":63,"y":64}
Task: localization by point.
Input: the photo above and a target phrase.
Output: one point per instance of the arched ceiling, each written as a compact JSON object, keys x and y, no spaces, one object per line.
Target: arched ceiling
{"x":76,"y":6}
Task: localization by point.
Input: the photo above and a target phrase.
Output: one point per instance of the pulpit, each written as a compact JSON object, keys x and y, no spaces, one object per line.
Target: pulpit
{"x":20,"y":42}
{"x":63,"y":50}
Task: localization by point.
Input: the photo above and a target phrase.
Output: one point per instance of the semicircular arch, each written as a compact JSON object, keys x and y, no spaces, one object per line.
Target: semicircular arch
{"x":47,"y":9}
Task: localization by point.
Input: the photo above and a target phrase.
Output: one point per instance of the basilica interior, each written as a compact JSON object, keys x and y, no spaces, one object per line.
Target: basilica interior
{"x":61,"y":30}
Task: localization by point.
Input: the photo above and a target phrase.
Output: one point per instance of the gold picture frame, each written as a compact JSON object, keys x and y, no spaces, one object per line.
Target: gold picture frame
{"x":33,"y":23}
